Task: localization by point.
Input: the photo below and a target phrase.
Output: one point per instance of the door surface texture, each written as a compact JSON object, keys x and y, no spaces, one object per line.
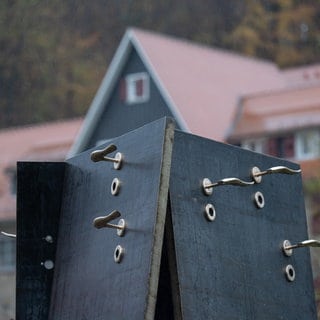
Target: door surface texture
{"x":233,"y":267}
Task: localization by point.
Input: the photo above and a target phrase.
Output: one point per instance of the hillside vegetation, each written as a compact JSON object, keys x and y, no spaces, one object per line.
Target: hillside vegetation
{"x":53,"y":54}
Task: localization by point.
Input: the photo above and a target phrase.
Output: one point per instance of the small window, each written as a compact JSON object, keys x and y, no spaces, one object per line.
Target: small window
{"x":307,"y":144}
{"x":135,"y":88}
{"x":256,"y":145}
{"x":282,"y":147}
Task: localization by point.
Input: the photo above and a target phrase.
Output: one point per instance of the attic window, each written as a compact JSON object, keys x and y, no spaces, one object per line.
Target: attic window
{"x":136,"y":88}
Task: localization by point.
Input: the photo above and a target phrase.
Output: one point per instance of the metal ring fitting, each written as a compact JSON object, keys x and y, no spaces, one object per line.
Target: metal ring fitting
{"x":48,"y":264}
{"x":118,"y":254}
{"x":259,"y":199}
{"x":210,"y":212}
{"x":122,"y":224}
{"x":205,"y":183}
{"x":290,"y":273}
{"x":115,"y":186}
{"x":285,"y":245}
{"x":119,"y":157}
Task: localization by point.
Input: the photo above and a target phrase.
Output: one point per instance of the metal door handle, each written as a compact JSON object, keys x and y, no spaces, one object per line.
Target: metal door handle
{"x":288,"y":247}
{"x":10,"y":235}
{"x":101,"y":155}
{"x":104,"y":222}
{"x":257,"y":174}
{"x":208,"y":186}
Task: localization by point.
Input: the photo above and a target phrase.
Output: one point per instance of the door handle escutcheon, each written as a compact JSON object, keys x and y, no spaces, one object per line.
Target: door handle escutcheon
{"x":104,"y":222}
{"x":101,"y":155}
{"x":287,"y":247}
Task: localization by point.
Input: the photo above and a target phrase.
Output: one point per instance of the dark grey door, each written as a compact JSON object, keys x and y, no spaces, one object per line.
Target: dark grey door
{"x":231,"y":265}
{"x":93,"y":279}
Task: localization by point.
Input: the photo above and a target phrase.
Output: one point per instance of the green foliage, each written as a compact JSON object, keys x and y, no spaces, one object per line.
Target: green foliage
{"x":53,"y":54}
{"x":285,"y":31}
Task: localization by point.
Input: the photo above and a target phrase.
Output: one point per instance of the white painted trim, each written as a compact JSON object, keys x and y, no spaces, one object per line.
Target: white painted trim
{"x":163,"y":91}
{"x":131,"y":96}
{"x":96,"y":108}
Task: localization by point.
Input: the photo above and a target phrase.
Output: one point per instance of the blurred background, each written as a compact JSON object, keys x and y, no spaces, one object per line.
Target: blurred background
{"x":54,"y":54}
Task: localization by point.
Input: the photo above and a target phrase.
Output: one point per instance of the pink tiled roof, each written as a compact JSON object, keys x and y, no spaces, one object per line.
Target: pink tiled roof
{"x":205,"y":83}
{"x":201,"y":85}
{"x":45,"y":142}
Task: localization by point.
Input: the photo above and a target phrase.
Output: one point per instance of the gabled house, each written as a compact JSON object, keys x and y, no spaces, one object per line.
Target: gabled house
{"x":213,"y":93}
{"x":153,"y":75}
{"x":209,"y":92}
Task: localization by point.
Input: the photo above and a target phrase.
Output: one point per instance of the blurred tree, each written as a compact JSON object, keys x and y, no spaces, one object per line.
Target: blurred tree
{"x":53,"y":54}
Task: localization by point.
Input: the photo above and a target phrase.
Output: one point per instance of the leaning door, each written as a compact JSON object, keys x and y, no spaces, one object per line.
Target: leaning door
{"x":229,"y":233}
{"x":108,"y":268}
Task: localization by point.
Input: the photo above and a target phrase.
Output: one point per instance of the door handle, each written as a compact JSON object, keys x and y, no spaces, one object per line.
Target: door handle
{"x":101,"y":155}
{"x":10,"y":235}
{"x":257,"y":174}
{"x":287,"y":247}
{"x":208,"y":186}
{"x":104,"y":222}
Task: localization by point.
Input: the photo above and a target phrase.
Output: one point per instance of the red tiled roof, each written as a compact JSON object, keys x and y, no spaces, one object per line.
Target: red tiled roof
{"x":277,"y":111}
{"x":45,"y":142}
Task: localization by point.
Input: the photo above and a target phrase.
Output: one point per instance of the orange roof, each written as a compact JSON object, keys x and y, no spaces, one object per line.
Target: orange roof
{"x":277,"y":111}
{"x":45,"y":142}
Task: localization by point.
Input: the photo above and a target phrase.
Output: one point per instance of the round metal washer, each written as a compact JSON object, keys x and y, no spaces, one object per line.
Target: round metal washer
{"x":48,"y":239}
{"x":254,"y":171}
{"x":207,"y":182}
{"x":115,"y":186}
{"x":290,"y":273}
{"x":118,"y":254}
{"x":210,"y":212}
{"x":259,"y":199}
{"x":119,"y":157}
{"x":121,"y":223}
{"x":48,"y":264}
{"x":287,"y":252}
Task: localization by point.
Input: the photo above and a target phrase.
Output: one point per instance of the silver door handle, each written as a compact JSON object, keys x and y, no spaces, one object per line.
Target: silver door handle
{"x":208,"y":186}
{"x":10,"y":235}
{"x":101,"y":155}
{"x":104,"y":222}
{"x":257,"y":174}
